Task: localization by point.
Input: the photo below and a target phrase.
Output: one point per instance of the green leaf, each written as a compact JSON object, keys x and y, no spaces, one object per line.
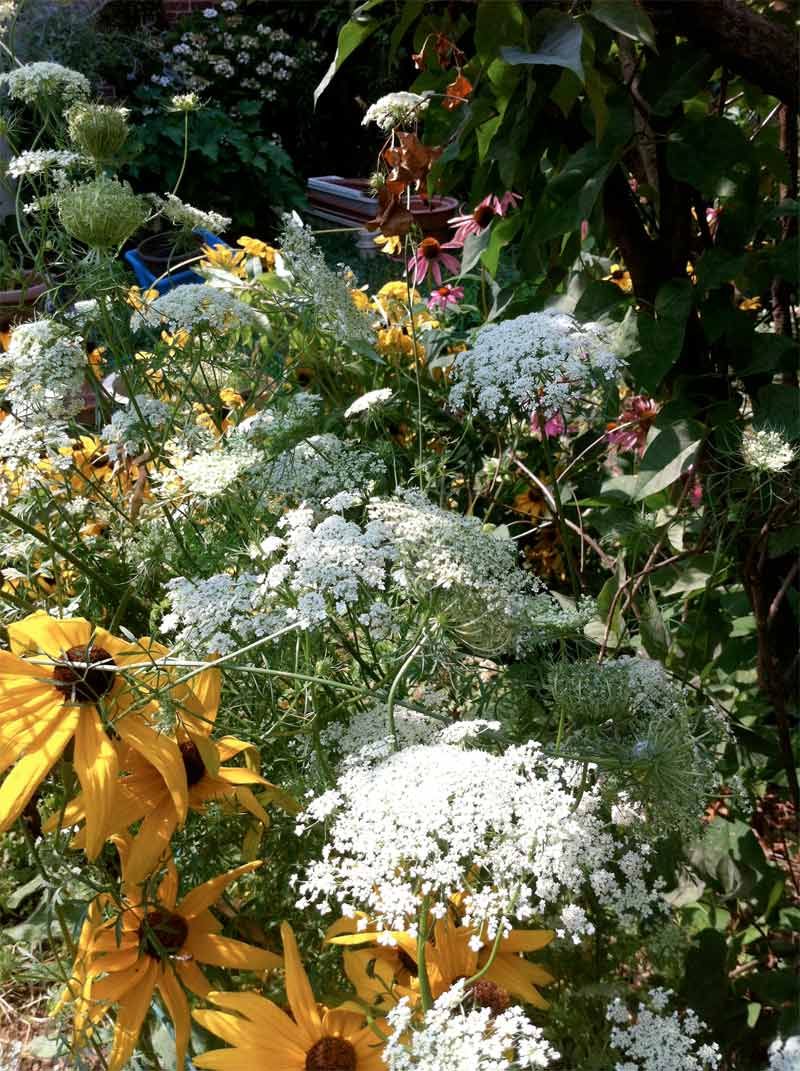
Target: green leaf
{"x":412,"y":9}
{"x":676,"y":76}
{"x":779,"y":407}
{"x":653,"y":629}
{"x":571,"y":195}
{"x":596,"y":93}
{"x":599,"y":299}
{"x":627,"y":18}
{"x":497,"y":24}
{"x":704,"y":153}
{"x":717,"y":266}
{"x":473,"y":249}
{"x":669,"y":454}
{"x":502,"y":232}
{"x":560,"y":46}
{"x":661,"y":338}
{"x":352,"y":34}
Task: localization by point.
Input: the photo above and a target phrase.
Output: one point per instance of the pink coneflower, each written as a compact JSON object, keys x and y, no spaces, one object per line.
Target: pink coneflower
{"x":445,"y":295}
{"x":553,"y":426}
{"x":482,"y":215}
{"x":638,"y":412}
{"x":430,"y":257}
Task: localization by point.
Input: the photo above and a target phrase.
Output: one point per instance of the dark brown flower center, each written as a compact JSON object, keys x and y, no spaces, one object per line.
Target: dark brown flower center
{"x":407,"y":961}
{"x":192,"y":763}
{"x":483,"y":215}
{"x":331,"y":1054}
{"x":429,"y":247}
{"x":162,"y":932}
{"x":83,"y":677}
{"x":488,"y":994}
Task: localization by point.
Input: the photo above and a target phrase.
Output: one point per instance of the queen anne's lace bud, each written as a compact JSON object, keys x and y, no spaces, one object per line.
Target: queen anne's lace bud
{"x":766,"y":450}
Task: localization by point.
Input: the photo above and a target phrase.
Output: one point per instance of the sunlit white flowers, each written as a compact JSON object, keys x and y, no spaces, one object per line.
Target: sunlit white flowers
{"x":47,"y":366}
{"x":656,"y":1040}
{"x":454,"y":1035}
{"x":187,"y":216}
{"x":37,"y":82}
{"x":509,"y":826}
{"x":766,"y":450}
{"x":195,"y":306}
{"x":373,"y":399}
{"x":539,"y":361}
{"x":395,"y":109}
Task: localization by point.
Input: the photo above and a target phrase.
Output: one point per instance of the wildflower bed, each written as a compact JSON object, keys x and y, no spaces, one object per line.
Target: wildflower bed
{"x":323,"y":752}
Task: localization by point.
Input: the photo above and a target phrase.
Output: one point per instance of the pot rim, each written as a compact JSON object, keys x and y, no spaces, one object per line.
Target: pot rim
{"x":22,"y":297}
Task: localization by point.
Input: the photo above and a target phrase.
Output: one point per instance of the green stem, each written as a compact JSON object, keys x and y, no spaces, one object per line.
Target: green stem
{"x":425,"y":996}
{"x":562,"y":528}
{"x":390,"y":701}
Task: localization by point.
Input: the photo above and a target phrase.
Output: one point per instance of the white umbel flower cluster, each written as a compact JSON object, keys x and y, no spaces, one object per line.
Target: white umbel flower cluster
{"x":655,"y":1040}
{"x":785,"y":1055}
{"x":42,"y":161}
{"x":366,"y":737}
{"x":38,"y":82}
{"x":766,"y":450}
{"x":435,"y":819}
{"x":218,"y":614}
{"x":318,"y":289}
{"x":371,"y":400}
{"x":195,"y":307}
{"x":539,"y":361}
{"x":188,"y":217}
{"x":395,"y":109}
{"x":47,"y":367}
{"x":455,"y":1037}
{"x":320,"y":467}
{"x":485,"y":597}
{"x":328,"y":566}
{"x":132,"y":427}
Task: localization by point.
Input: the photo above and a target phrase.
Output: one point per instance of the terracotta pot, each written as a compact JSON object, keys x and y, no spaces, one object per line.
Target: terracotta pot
{"x":350,"y":200}
{"x":17,"y":306}
{"x":159,"y":254}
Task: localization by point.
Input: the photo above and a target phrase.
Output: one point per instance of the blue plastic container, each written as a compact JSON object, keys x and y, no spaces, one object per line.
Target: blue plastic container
{"x":146,"y":279}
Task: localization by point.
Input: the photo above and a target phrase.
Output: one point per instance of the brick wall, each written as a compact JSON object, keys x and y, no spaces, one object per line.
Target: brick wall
{"x":173,"y":9}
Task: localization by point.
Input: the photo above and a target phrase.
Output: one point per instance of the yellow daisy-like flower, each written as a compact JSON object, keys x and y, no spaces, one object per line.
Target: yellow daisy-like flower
{"x":391,"y":246}
{"x":313,"y":1038}
{"x":254,"y":247}
{"x":751,"y":304}
{"x":448,"y":958}
{"x":393,"y":301}
{"x":221,"y":256}
{"x":143,"y":796}
{"x":69,"y":685}
{"x":395,"y":341}
{"x":148,"y":945}
{"x":531,"y":502}
{"x":139,"y":299}
{"x":620,"y":277}
{"x":360,"y":300}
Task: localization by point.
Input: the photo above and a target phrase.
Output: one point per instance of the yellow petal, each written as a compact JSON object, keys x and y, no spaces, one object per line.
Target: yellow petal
{"x":298,"y":990}
{"x":248,"y":1059}
{"x":178,"y":1008}
{"x":51,"y":635}
{"x":151,"y":843}
{"x":96,"y":767}
{"x":203,"y":896}
{"x":161,"y":752}
{"x":31,"y":770}
{"x":264,"y":1017}
{"x":227,"y":952}
{"x":130,"y":1016}
{"x":527,"y":940}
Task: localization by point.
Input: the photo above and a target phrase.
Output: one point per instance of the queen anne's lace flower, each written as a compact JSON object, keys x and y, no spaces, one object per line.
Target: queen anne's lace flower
{"x":189,"y":217}
{"x":131,"y":427}
{"x":785,"y":1055}
{"x":47,"y":366}
{"x":218,"y":614}
{"x":541,"y":360}
{"x":484,"y":597}
{"x":766,"y":450}
{"x":366,"y":738}
{"x":657,"y":1041}
{"x":395,"y":109}
{"x":320,"y":467}
{"x":454,"y":1037}
{"x":41,"y":161}
{"x":193,"y":307}
{"x":371,"y":400}
{"x":36,"y":82}
{"x":329,"y":565}
{"x":508,"y":822}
